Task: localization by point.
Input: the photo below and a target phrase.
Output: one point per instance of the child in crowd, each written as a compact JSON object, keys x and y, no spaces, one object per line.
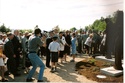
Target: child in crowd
{"x":54,"y":48}
{"x":2,"y":56}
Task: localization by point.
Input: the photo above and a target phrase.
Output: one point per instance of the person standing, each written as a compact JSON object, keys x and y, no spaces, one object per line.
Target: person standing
{"x":62,"y":43}
{"x":34,"y":43}
{"x":17,"y":47}
{"x":2,"y":68}
{"x":9,"y":52}
{"x":73,"y":44}
{"x":24,"y":47}
{"x":43,"y":48}
{"x":84,"y":37}
{"x":88,"y":43}
{"x":48,"y":41}
{"x":54,"y":48}
{"x":68,"y":44}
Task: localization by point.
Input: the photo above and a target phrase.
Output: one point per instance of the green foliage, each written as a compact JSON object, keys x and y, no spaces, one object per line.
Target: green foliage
{"x":3,"y":28}
{"x":99,"y":25}
{"x":73,"y":29}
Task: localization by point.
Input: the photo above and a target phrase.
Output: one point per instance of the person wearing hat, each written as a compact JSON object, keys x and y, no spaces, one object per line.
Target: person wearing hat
{"x":54,"y":48}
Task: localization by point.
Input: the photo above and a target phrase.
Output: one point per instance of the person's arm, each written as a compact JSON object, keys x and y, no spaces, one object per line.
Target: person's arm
{"x":2,"y":56}
{"x":39,"y":42}
{"x":49,"y":47}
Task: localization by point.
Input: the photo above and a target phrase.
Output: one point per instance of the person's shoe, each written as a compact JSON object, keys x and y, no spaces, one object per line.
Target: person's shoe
{"x":72,"y":60}
{"x":40,"y":81}
{"x":48,"y":66}
{"x":30,"y":80}
{"x":55,"y":70}
{"x":5,"y":80}
{"x":52,"y":70}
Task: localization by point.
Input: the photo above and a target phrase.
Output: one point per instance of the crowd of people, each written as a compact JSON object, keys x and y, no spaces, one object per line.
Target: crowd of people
{"x":53,"y":45}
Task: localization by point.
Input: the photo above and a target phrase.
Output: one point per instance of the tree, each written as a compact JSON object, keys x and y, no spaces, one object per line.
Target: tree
{"x":4,"y":29}
{"x":99,"y":25}
{"x":86,"y":28}
{"x":73,"y":29}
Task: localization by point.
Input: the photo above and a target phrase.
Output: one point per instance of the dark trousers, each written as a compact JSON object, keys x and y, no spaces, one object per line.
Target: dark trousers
{"x":17,"y":59}
{"x":79,"y":47}
{"x":43,"y":51}
{"x":47,"y":58}
{"x":11,"y":65}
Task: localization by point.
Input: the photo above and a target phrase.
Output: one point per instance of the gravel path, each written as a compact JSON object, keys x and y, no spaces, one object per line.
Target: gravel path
{"x":66,"y":73}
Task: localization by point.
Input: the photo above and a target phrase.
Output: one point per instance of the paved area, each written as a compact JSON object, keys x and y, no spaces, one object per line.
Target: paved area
{"x":66,"y":73}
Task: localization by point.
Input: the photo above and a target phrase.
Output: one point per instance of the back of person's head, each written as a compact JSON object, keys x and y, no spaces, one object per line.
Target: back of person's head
{"x":61,"y":32}
{"x":55,"y":38}
{"x":16,"y":32}
{"x":73,"y":34}
{"x":37,"y":31}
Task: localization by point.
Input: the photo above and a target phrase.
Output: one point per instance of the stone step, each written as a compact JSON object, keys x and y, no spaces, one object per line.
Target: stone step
{"x":105,"y":59}
{"x":111,"y":71}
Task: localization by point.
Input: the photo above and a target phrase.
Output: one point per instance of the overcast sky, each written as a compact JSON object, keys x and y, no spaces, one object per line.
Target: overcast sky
{"x":26,"y":14}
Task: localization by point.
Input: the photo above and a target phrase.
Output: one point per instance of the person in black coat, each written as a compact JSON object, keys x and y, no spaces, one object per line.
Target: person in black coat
{"x":17,"y":47}
{"x":9,"y":52}
{"x":48,"y":41}
{"x":67,"y":46}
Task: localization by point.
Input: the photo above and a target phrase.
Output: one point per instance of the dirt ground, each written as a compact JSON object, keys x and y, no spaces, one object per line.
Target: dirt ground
{"x":66,"y":73}
{"x":90,"y":68}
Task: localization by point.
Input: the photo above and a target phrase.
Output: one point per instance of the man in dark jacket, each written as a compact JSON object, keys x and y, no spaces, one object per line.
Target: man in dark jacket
{"x":9,"y":52}
{"x":17,"y":47}
{"x":48,"y":41}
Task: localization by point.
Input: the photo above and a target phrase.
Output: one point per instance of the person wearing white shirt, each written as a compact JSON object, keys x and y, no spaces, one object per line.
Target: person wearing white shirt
{"x":62,"y":43}
{"x":54,"y":48}
{"x":88,"y":43}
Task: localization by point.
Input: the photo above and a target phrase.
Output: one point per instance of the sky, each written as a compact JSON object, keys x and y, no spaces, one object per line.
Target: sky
{"x":26,"y":14}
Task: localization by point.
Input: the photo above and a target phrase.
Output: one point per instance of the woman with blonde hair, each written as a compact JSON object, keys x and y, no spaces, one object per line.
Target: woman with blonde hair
{"x":88,"y":43}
